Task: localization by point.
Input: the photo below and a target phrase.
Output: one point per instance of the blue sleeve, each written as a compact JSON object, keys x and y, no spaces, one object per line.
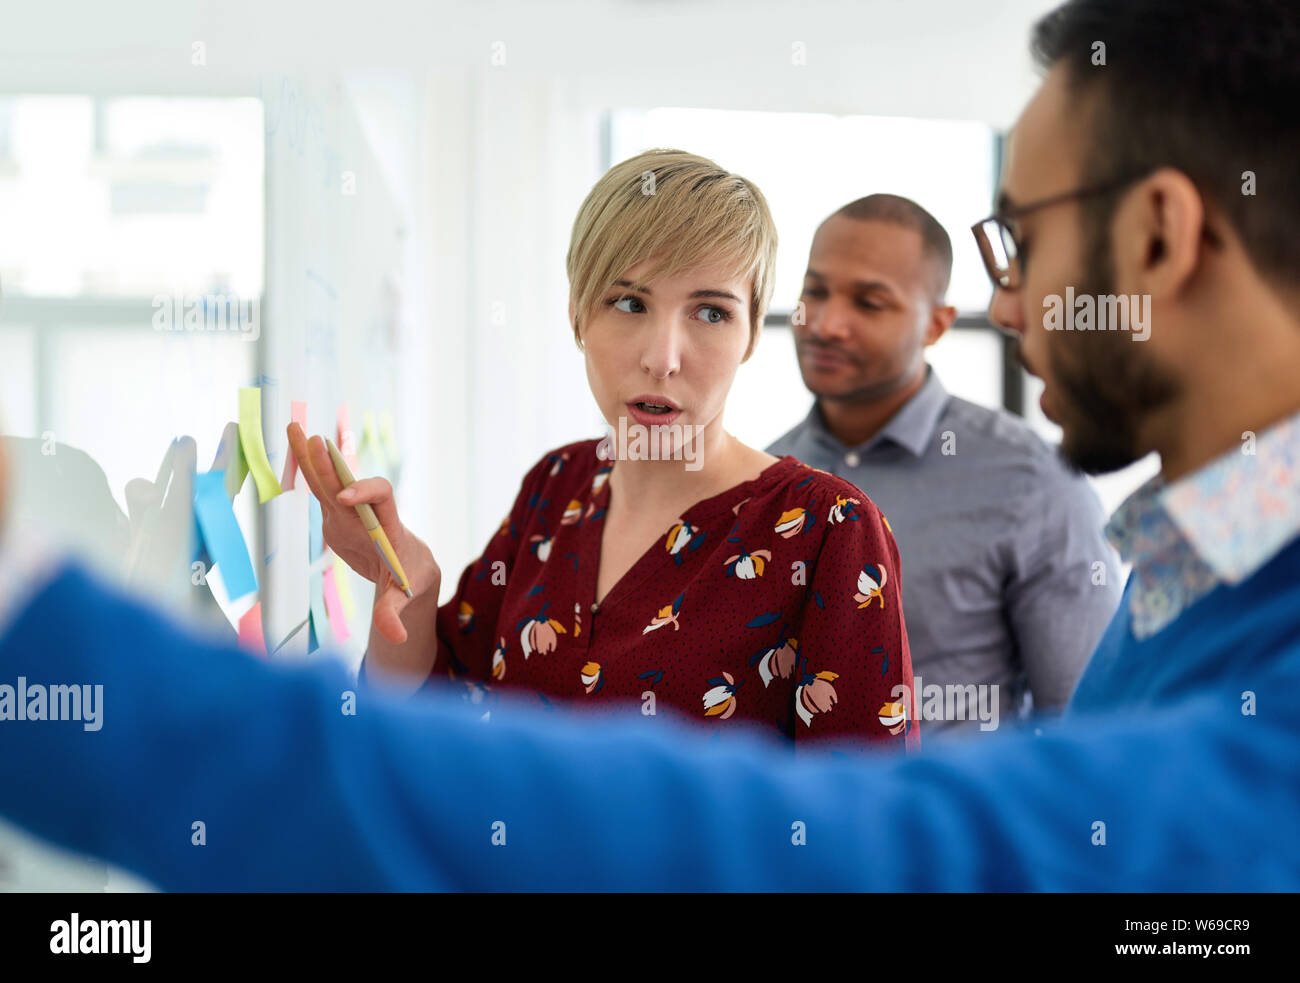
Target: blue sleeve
{"x":419,"y":794}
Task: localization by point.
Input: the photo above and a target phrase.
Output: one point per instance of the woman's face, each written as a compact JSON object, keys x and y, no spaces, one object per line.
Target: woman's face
{"x":679,"y":338}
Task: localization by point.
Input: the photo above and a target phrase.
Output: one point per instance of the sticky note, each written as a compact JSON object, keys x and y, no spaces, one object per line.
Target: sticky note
{"x":346,"y":440}
{"x":250,"y":438}
{"x":285,"y":537}
{"x":221,"y":535}
{"x":298,"y":415}
{"x":389,"y":439}
{"x":370,"y":444}
{"x":250,"y":630}
{"x":160,"y":550}
{"x":344,"y":588}
{"x":200,"y":548}
{"x":333,"y":608}
{"x":230,"y":459}
{"x":319,"y":616}
{"x":315,"y":532}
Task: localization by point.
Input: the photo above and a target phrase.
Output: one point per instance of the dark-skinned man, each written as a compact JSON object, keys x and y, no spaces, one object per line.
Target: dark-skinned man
{"x":1007,"y":583}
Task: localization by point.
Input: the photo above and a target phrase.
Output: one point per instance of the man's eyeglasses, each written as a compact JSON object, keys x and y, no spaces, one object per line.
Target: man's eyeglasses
{"x":1000,"y":247}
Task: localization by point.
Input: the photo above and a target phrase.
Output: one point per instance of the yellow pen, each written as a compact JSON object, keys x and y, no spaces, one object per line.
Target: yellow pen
{"x":386,"y":551}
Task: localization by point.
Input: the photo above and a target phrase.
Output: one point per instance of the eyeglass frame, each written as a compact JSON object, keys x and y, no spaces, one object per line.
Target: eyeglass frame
{"x":1005,"y":233}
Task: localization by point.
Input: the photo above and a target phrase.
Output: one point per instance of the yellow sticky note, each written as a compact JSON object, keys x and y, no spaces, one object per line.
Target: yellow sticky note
{"x":345,"y":591}
{"x":250,"y":439}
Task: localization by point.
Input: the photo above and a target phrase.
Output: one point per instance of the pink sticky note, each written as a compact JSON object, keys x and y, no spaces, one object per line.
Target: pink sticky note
{"x":333,"y":608}
{"x":250,"y":631}
{"x":298,"y":415}
{"x":346,"y":440}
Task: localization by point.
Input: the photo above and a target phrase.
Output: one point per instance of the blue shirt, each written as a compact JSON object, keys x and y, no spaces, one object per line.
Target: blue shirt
{"x":290,"y":791}
{"x":1007,"y":581}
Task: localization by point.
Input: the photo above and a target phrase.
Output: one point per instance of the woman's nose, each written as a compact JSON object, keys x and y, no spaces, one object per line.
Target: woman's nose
{"x":662,"y":354}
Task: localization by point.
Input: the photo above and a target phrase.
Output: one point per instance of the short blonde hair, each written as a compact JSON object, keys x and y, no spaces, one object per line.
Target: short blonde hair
{"x":683,"y":209}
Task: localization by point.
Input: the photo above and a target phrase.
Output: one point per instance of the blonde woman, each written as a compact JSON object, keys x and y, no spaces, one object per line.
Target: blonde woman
{"x":670,"y":568}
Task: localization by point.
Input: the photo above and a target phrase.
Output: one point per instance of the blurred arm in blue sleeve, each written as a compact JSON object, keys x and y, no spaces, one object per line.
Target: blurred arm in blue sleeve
{"x":295,"y":794}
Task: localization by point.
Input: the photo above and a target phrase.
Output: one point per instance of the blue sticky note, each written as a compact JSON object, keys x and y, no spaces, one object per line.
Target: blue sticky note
{"x":315,"y":535}
{"x":200,"y":550}
{"x":221,"y":535}
{"x":319,"y":617}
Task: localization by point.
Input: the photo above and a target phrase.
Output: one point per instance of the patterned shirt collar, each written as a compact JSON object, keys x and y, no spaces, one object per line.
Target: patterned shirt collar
{"x":1217,"y":525}
{"x":911,"y":427}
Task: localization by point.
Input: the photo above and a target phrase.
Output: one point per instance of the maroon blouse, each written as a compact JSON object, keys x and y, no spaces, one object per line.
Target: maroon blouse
{"x":774,"y":603}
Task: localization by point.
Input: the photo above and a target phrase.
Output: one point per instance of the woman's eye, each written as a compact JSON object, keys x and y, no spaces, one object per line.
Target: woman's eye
{"x":709,"y":312}
{"x":619,"y":304}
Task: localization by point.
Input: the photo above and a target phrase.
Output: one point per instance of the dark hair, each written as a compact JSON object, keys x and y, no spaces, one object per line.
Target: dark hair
{"x":1208,"y":87}
{"x":903,"y":211}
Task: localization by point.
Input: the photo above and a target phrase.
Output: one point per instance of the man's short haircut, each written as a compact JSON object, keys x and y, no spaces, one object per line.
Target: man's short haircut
{"x":897,"y":210}
{"x":1208,"y":87}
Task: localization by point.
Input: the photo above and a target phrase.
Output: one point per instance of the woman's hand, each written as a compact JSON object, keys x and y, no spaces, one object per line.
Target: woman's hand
{"x":345,"y":534}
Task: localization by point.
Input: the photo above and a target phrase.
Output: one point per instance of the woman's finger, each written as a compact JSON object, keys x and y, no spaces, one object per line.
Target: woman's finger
{"x":302,"y":453}
{"x":371,"y":490}
{"x":326,"y":476}
{"x":387,"y":613}
{"x":378,"y":493}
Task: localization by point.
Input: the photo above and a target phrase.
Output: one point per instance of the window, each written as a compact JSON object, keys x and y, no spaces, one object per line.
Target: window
{"x":808,"y":165}
{"x":111,"y":204}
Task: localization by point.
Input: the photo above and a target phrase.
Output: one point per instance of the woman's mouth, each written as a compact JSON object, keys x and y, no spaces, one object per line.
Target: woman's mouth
{"x":651,"y":413}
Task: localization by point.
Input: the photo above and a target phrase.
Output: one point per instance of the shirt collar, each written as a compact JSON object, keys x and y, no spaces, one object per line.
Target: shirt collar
{"x":911,"y":427}
{"x":1236,"y":512}
{"x":1140,"y":527}
{"x":1239,"y":510}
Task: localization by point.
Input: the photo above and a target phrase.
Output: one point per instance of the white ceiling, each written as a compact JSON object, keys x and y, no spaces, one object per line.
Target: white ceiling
{"x":938,"y":58}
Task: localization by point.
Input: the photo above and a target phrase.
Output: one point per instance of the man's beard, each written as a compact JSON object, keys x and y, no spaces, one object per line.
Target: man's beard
{"x":1109,"y":384}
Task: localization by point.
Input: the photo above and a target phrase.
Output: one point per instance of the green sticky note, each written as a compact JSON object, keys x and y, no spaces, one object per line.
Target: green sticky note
{"x":370,"y":441}
{"x":386,"y":435}
{"x":250,"y":439}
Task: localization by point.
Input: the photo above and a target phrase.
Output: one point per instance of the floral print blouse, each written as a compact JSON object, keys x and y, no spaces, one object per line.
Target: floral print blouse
{"x":774,"y":604}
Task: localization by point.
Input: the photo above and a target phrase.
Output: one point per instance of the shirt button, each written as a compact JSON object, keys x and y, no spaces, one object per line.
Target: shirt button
{"x":851,"y":459}
{"x":593,"y":608}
